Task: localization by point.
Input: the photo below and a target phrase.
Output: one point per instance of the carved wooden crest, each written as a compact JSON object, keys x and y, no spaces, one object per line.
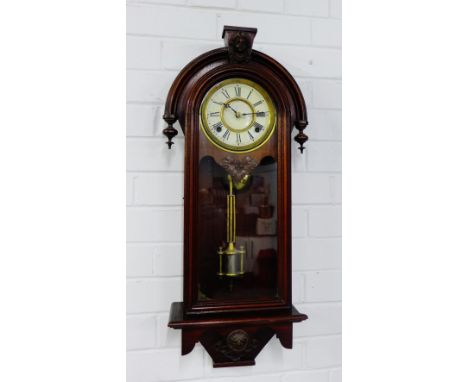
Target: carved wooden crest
{"x":239,"y":42}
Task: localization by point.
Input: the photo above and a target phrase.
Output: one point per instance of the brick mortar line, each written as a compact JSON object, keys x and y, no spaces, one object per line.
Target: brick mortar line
{"x":144,"y":314}
{"x":176,"y":71}
{"x":154,"y":205}
{"x":179,"y":243}
{"x":229,"y":10}
{"x":258,"y":45}
{"x":330,"y":204}
{"x":298,"y":303}
{"x":318,"y":237}
{"x":298,"y":336}
{"x":157,"y":103}
{"x":181,"y":138}
{"x":312,"y":270}
{"x":311,"y":304}
{"x":160,"y":137}
{"x":180,"y":276}
{"x":303,"y":340}
{"x":323,"y":336}
{"x":216,"y":40}
{"x":149,"y":312}
{"x":154,"y":277}
{"x":318,"y":172}
{"x":143,"y":242}
{"x":159,"y":208}
{"x":175,"y":243}
{"x":325,"y":368}
{"x":142,"y":172}
{"x":165,"y":38}
{"x":153,"y":242}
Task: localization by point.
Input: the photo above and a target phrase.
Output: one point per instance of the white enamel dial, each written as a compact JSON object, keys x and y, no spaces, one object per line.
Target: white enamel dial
{"x":238,"y":115}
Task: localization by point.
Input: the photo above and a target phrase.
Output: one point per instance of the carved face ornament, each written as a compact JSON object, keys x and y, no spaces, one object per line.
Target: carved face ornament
{"x":240,"y":43}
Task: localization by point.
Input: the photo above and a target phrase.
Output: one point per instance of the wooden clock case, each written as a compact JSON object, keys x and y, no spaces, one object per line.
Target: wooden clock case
{"x":234,"y":332}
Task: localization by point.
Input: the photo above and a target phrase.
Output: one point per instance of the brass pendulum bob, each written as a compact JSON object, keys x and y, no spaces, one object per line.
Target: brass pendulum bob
{"x":231,"y":259}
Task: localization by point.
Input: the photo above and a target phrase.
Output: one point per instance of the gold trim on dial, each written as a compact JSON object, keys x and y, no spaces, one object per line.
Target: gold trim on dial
{"x":216,"y":140}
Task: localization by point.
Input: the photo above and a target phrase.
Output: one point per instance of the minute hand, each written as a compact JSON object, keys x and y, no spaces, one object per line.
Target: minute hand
{"x":258,"y":112}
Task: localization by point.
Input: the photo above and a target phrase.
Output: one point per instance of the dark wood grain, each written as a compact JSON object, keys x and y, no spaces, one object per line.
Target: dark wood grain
{"x":224,"y":327}
{"x":213,"y":333}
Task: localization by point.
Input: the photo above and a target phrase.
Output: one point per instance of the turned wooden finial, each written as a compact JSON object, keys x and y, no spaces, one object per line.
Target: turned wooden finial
{"x":169,"y":131}
{"x":301,"y":138}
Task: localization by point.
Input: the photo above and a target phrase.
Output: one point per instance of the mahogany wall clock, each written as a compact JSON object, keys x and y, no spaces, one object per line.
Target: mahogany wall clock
{"x":237,"y":108}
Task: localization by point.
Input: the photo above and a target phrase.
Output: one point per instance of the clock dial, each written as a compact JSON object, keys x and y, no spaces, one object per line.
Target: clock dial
{"x":238,"y":115}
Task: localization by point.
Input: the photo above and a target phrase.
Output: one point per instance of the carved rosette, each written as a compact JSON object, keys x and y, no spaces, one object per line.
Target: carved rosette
{"x":236,"y":345}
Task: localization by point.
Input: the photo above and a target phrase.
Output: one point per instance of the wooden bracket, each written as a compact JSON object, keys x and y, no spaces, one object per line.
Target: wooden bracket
{"x":233,"y":341}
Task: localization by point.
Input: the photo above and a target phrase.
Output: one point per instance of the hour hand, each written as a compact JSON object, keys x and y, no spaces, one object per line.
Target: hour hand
{"x":230,"y":107}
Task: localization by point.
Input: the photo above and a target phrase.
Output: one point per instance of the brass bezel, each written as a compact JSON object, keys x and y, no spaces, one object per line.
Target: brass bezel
{"x":227,"y":147}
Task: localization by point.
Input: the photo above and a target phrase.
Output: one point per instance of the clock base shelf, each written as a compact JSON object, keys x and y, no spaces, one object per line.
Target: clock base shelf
{"x":233,"y":341}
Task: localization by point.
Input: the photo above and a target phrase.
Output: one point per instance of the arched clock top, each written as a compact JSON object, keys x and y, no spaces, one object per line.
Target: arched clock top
{"x":237,"y":108}
{"x":236,"y":57}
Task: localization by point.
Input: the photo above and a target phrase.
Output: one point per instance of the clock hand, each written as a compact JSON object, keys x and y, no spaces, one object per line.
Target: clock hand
{"x":230,"y":107}
{"x":256,"y":113}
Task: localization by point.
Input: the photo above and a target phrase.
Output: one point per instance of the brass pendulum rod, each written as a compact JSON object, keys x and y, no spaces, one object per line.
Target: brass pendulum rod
{"x":231,"y":259}
{"x":231,"y":215}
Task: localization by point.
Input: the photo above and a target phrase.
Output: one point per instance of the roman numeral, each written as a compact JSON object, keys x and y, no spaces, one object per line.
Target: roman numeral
{"x":216,"y":113}
{"x":260,"y":114}
{"x":259,"y":102}
{"x":216,"y":102}
{"x":226,"y":134}
{"x":258,"y":127}
{"x":250,"y":135}
{"x":217,"y":126}
{"x":251,"y":90}
{"x":225,"y":93}
{"x":238,"y":139}
{"x":238,"y":91}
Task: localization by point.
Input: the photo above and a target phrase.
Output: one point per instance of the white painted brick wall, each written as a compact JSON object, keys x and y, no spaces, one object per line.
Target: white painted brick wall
{"x":326,"y":32}
{"x":307,"y":8}
{"x":154,"y":224}
{"x":152,"y":294}
{"x":306,"y":376}
{"x":323,"y":352}
{"x":162,"y":36}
